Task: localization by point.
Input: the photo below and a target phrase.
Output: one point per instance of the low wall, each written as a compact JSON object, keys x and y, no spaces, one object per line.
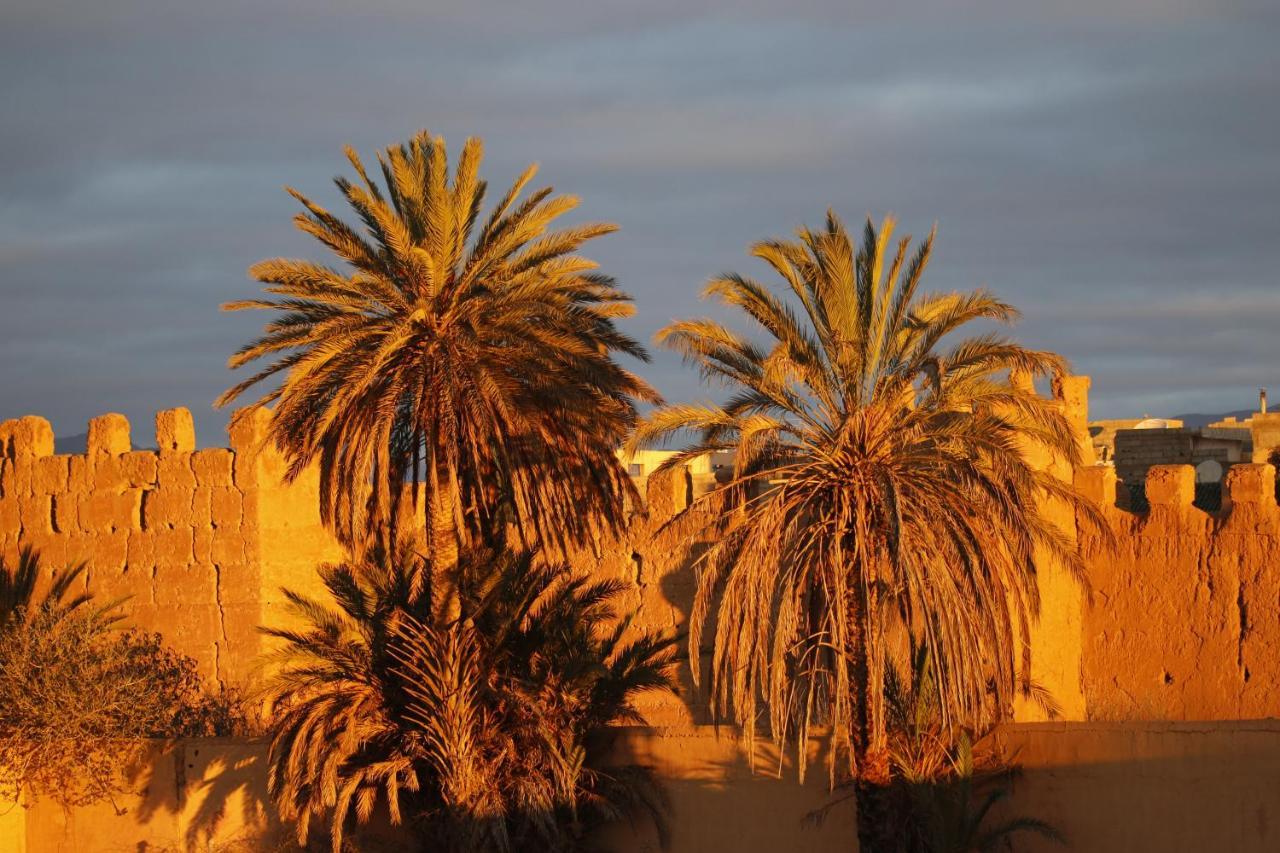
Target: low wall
{"x":210,"y":795}
{"x":1174,"y":787}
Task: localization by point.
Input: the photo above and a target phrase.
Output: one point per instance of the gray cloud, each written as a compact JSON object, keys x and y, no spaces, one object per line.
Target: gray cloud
{"x":1110,"y":168}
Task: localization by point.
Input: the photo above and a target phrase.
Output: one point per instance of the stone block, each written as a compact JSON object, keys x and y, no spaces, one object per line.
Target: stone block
{"x":1171,"y":485}
{"x":141,"y":551}
{"x":228,"y":546}
{"x":10,"y":516}
{"x":109,"y":435}
{"x":175,"y":431}
{"x":226,"y":508}
{"x":20,"y":475}
{"x":110,"y":553}
{"x":174,"y":547}
{"x":97,"y":512}
{"x":185,"y":585}
{"x":50,"y":474}
{"x":79,"y":546}
{"x":237,"y":584}
{"x":166,"y":507}
{"x":103,"y":512}
{"x":212,"y":467}
{"x":173,"y":470}
{"x":37,"y":514}
{"x":135,"y":583}
{"x":66,"y":512}
{"x":200,"y":508}
{"x":107,"y":473}
{"x":202,"y":545}
{"x":127,"y":510}
{"x":79,"y":476}
{"x":7,"y":428}
{"x":139,"y":469}
{"x":52,"y":549}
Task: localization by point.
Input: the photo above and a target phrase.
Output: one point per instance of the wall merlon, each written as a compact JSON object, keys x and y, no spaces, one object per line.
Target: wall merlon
{"x":175,"y":431}
{"x":108,"y":435}
{"x":1097,"y":483}
{"x":248,"y":431}
{"x":1250,"y":484}
{"x":1171,"y":485}
{"x":33,"y":436}
{"x":212,"y":467}
{"x":139,"y":468}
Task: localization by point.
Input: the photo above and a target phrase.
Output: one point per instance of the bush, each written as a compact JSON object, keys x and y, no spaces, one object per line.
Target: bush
{"x":78,"y":700}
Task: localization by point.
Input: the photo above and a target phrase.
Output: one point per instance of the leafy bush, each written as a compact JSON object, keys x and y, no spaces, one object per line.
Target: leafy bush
{"x":77,"y":700}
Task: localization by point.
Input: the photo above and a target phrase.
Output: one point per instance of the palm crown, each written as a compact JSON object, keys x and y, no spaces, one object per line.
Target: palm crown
{"x":472,"y":358}
{"x":881,"y":495}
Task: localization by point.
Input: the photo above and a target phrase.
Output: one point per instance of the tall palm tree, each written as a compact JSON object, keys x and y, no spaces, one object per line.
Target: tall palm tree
{"x":19,"y":601}
{"x":881,"y":496}
{"x":477,"y":708}
{"x":473,"y":358}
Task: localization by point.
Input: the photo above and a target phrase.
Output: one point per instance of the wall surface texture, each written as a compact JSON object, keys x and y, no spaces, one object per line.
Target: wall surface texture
{"x":1184,"y":622}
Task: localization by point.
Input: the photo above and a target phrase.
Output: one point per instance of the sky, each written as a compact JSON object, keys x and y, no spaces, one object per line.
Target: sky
{"x":1110,"y":168}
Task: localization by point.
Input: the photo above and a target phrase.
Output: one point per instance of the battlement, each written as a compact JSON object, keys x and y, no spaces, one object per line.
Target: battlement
{"x":1173,"y":487}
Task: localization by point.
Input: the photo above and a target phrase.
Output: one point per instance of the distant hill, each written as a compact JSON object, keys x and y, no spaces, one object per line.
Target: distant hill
{"x":77,"y":444}
{"x":1196,"y":421}
{"x":71,"y":443}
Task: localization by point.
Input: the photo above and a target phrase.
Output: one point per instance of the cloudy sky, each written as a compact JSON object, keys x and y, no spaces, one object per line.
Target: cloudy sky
{"x":1112,"y":168}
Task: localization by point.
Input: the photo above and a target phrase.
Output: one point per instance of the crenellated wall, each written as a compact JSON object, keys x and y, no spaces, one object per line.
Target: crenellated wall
{"x":1184,"y":622}
{"x":198,"y":540}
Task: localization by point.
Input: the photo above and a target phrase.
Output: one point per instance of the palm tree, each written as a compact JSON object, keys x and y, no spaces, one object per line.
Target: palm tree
{"x":472,"y":358}
{"x":478,"y":708}
{"x":881,"y":495}
{"x":936,"y":796}
{"x":19,"y":602}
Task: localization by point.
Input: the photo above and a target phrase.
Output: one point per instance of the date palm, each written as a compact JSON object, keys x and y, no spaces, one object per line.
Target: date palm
{"x":477,"y":709}
{"x":472,"y":357}
{"x":881,"y":495}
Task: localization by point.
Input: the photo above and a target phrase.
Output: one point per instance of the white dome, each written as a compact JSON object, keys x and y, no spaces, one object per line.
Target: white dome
{"x":1154,"y":423}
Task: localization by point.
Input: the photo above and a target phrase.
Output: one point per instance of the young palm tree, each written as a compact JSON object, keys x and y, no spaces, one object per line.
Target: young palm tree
{"x":880,"y":496}
{"x":477,"y":708}
{"x":18,"y":599}
{"x":474,"y":358}
{"x":937,"y":797}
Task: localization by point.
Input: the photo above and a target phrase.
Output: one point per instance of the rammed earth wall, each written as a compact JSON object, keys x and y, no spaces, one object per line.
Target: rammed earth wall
{"x":199,"y":541}
{"x":1185,"y":618}
{"x":1182,"y":624}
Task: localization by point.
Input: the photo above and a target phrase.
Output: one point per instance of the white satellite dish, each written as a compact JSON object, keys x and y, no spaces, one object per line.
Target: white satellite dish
{"x":1209,"y":471}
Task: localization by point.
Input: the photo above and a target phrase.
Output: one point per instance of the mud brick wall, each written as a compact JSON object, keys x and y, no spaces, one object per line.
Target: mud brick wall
{"x":178,"y":531}
{"x":1184,"y":622}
